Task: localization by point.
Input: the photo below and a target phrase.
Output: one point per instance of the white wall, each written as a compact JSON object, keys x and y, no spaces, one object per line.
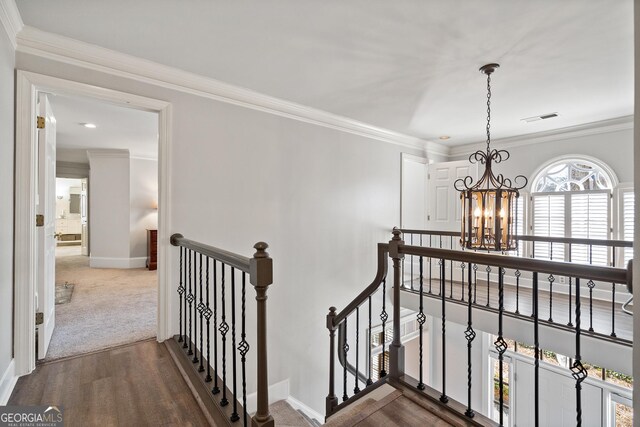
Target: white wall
{"x":7,"y":81}
{"x":613,"y":148}
{"x":109,"y":208}
{"x":322,"y":199}
{"x":144,"y":204}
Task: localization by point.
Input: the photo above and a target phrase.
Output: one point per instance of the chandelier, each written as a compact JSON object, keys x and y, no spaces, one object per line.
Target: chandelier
{"x":489,"y":205}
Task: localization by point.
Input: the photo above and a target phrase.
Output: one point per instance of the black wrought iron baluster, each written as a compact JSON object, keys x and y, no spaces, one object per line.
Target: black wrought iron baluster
{"x":207,"y":315}
{"x":201,"y":308}
{"x":234,"y":415}
{"x":190,"y":298}
{"x":430,"y":265}
{"x":536,"y":344}
{"x":500,"y":343}
{"x":591,"y":285}
{"x":613,"y":297}
{"x":462,"y":267}
{"x":243,"y":347}
{"x":345,"y":349}
{"x":369,"y":381}
{"x":224,"y":328}
{"x":488,"y":269}
{"x":470,"y":335}
{"x":578,"y":371}
{"x":475,"y":283}
{"x":570,"y":324}
{"x":195,"y":309}
{"x":356,"y":389}
{"x":517,"y":274}
{"x":180,"y":292}
{"x":421,"y":319}
{"x":451,"y":269}
{"x":411,"y":272}
{"x":186,"y":297}
{"x":384,"y":316}
{"x":551,"y":280}
{"x":215,"y":389}
{"x":443,"y":396}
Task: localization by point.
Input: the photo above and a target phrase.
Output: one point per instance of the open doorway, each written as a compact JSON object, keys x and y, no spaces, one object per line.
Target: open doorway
{"x":105,"y":159}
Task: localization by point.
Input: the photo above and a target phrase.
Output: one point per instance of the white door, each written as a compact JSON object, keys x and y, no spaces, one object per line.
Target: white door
{"x":413,"y":192}
{"x":444,"y":210}
{"x":46,"y":206}
{"x":84,"y":218}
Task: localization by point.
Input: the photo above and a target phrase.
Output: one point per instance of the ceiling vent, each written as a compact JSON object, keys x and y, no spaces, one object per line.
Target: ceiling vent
{"x":541,"y":117}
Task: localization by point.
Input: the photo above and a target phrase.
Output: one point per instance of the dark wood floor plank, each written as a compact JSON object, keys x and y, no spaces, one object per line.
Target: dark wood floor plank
{"x":129,"y":385}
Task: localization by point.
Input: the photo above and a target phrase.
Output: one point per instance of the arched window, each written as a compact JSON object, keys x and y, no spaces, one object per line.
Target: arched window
{"x":571,"y":197}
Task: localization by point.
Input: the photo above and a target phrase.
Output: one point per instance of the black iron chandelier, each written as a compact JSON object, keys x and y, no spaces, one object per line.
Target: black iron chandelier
{"x":489,"y":211}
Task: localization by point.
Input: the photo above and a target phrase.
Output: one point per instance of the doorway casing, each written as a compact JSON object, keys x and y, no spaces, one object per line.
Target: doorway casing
{"x":25,"y":265}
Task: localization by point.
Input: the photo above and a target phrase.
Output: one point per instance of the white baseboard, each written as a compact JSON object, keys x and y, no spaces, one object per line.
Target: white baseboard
{"x":277,"y":391}
{"x":299,"y":406}
{"x":8,"y":382}
{"x":104,"y":262}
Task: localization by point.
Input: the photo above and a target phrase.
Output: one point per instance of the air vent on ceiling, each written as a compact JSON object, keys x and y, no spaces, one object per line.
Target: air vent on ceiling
{"x":541,"y":117}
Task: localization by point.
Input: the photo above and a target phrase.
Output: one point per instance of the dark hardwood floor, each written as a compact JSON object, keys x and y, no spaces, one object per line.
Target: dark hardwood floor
{"x":131,"y":385}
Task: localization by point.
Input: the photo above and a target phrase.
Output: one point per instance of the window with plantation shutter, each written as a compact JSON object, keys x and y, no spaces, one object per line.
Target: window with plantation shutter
{"x":519,"y":228}
{"x":626,"y":231}
{"x":590,"y":216}
{"x":549,"y":221}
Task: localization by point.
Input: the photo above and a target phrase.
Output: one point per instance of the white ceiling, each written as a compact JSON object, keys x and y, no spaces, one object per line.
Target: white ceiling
{"x":409,"y":66}
{"x":117,"y":128}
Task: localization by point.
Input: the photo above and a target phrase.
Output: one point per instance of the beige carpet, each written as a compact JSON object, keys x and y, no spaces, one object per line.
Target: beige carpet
{"x":109,"y":307}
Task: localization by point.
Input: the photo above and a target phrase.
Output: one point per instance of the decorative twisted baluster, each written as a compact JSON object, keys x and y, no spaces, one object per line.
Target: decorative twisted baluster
{"x":451,"y":269}
{"x":551,"y":280}
{"x":356,"y":389}
{"x":215,"y":389}
{"x":384,"y":316}
{"x":223,"y":328}
{"x":462,"y":267}
{"x":613,"y":296}
{"x":369,"y":381}
{"x":421,"y":319}
{"x":443,"y":396}
{"x":411,"y":243}
{"x":200,"y":308}
{"x":190,"y":298}
{"x":180,"y":293}
{"x":207,"y":315}
{"x":570,"y":324}
{"x":475,"y":283}
{"x":500,"y":343}
{"x":186,"y":312}
{"x":243,"y":347}
{"x":578,"y":371}
{"x":345,"y":350}
{"x":234,"y":415}
{"x":470,"y":335}
{"x":536,"y":344}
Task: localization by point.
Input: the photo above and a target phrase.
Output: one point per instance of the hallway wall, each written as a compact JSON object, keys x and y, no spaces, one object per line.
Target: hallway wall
{"x":7,"y":85}
{"x":322,"y":198}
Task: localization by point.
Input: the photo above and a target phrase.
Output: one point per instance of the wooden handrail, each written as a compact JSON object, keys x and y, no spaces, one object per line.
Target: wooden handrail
{"x":593,"y":272}
{"x":528,"y":238}
{"x":383,"y":250}
{"x":234,"y":260}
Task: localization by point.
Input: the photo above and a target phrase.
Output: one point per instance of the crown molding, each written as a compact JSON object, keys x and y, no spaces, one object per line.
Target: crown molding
{"x":107,"y":153}
{"x":70,"y":51}
{"x":594,"y":128}
{"x":11,"y":20}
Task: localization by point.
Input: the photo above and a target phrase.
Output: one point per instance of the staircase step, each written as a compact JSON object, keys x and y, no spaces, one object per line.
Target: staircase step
{"x":285,"y":416}
{"x":312,"y":421}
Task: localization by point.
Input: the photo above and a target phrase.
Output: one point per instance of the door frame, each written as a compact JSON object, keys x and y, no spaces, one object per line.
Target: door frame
{"x":28,"y":84}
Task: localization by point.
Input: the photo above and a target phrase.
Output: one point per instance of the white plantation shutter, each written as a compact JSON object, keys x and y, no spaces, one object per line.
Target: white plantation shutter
{"x":518,"y":213}
{"x":590,"y":219}
{"x":549,"y":221}
{"x":626,"y":232}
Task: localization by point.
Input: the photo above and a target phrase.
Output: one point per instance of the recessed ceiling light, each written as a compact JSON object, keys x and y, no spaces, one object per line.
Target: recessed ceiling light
{"x":89,"y":125}
{"x":444,"y":137}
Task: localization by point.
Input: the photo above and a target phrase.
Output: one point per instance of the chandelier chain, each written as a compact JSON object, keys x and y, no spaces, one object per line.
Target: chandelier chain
{"x":488,"y":111}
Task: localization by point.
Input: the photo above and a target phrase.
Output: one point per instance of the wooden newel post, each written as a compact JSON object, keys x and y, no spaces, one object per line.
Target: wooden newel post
{"x":396,"y":349}
{"x":261,"y":274}
{"x":332,"y":400}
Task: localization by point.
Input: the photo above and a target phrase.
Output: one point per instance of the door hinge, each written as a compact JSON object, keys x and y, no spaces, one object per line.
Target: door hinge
{"x":39,"y":220}
{"x":39,"y":318}
{"x":428,"y":176}
{"x":40,"y":122}
{"x":428,"y":217}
